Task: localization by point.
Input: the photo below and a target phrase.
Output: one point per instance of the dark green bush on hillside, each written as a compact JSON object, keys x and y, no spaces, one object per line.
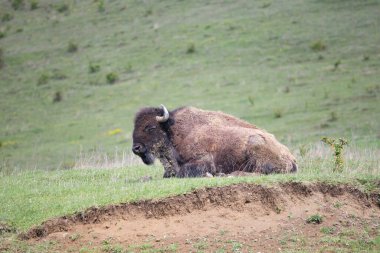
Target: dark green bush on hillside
{"x":17,"y":4}
{"x":57,"y":97}
{"x":101,"y":7}
{"x":72,"y":47}
{"x":112,"y":78}
{"x":6,"y":17}
{"x":93,"y":68}
{"x":43,"y":79}
{"x":318,"y":46}
{"x":1,"y":58}
{"x":63,"y":7}
{"x":33,"y":4}
{"x":190,"y":48}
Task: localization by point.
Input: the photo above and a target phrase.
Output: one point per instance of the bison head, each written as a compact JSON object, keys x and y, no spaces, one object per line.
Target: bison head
{"x":149,"y":137}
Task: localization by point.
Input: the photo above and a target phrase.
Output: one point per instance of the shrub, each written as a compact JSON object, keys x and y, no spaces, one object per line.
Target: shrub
{"x":315,"y":219}
{"x":112,"y":77}
{"x":318,"y":46}
{"x":43,"y":79}
{"x":266,"y":5}
{"x":17,"y":4}
{"x":33,"y":4}
{"x":58,"y":75}
{"x":333,"y":117}
{"x":190,"y":48}
{"x":72,"y":47}
{"x":93,"y":68}
{"x":1,"y":58}
{"x":2,"y":34}
{"x":327,"y":230}
{"x":101,"y":7}
{"x":6,"y":17}
{"x":251,"y":100}
{"x":63,"y":7}
{"x":336,"y":64}
{"x":337,"y":146}
{"x":278,"y":113}
{"x":57,"y":97}
{"x":148,"y":12}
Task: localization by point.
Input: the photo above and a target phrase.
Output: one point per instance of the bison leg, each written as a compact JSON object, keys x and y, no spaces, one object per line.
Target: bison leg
{"x":196,"y":169}
{"x":168,"y":159}
{"x":171,"y":167}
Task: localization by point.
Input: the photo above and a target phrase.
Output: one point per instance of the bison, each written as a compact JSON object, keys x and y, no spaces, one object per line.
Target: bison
{"x":192,"y":142}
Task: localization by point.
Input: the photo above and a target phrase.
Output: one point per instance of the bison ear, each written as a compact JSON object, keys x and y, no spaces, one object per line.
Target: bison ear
{"x":165,"y":116}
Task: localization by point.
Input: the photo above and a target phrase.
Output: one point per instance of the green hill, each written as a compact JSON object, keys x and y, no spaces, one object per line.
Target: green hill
{"x":300,"y":69}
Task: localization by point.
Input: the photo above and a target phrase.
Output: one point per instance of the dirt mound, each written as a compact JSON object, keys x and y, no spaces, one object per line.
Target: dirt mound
{"x":244,"y":212}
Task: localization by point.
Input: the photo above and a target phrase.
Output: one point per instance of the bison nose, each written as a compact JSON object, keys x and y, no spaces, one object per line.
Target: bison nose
{"x":138,"y":149}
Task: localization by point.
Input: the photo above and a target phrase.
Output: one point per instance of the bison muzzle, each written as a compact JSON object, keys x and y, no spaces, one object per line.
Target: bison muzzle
{"x":191,"y":142}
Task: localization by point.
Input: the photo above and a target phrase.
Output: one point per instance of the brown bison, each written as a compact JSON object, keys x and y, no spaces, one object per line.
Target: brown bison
{"x":191,"y":142}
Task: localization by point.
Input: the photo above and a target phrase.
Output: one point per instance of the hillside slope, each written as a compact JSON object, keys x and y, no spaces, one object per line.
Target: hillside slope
{"x":300,"y":69}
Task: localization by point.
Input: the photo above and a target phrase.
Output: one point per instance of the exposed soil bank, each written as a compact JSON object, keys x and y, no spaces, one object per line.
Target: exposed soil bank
{"x":253,"y":215}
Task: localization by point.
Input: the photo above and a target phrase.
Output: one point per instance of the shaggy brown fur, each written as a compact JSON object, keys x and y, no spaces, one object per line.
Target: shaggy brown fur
{"x":194,"y":142}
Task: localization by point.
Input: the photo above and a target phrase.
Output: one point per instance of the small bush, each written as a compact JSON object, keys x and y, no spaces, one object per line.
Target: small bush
{"x":6,"y":17}
{"x":19,"y":30}
{"x":286,"y":89}
{"x":336,"y":64}
{"x":148,"y":12}
{"x":333,"y":117}
{"x":327,"y":230}
{"x":315,"y":219}
{"x":33,"y":4}
{"x":112,"y":77}
{"x":57,"y":97}
{"x":251,"y":100}
{"x":1,"y":59}
{"x":2,"y":34}
{"x":58,"y":75}
{"x":101,"y":7}
{"x":266,"y":5}
{"x":278,"y":113}
{"x":43,"y":79}
{"x":17,"y":4}
{"x":190,"y":48}
{"x":93,"y":68}
{"x":63,"y":7}
{"x":72,"y":47}
{"x":337,"y":146}
{"x":318,"y":46}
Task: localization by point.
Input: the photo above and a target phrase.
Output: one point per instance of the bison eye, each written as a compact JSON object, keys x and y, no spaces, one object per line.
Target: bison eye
{"x":149,"y":128}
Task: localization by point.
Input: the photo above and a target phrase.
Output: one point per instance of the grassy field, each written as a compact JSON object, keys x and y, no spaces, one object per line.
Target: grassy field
{"x":301,"y":70}
{"x":32,"y":196}
{"x":73,"y":73}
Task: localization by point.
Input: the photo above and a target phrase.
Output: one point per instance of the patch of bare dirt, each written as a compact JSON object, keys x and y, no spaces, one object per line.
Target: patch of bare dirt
{"x":236,"y":218}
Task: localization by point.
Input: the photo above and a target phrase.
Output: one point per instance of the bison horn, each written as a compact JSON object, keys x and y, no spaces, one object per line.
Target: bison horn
{"x":164,"y":117}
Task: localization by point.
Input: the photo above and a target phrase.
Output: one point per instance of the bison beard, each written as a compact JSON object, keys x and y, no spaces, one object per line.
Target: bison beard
{"x":191,"y":142}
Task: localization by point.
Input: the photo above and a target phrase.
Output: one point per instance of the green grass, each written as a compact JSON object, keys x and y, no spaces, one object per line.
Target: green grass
{"x":30,"y":197}
{"x":253,"y":59}
{"x":300,"y":69}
